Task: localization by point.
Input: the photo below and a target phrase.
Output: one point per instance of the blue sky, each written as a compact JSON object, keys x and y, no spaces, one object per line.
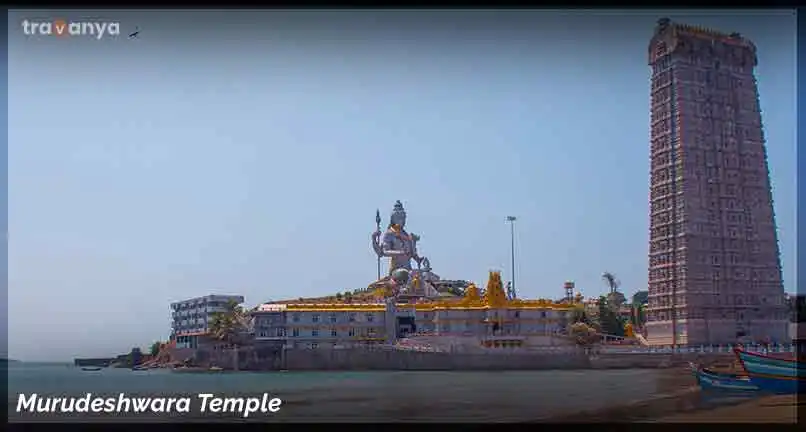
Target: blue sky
{"x":247,"y":154}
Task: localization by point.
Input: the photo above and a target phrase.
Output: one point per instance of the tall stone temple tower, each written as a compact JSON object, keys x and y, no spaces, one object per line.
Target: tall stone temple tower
{"x":714,"y":265}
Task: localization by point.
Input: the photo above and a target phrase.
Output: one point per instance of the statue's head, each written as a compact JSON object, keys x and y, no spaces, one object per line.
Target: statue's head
{"x":398,"y":215}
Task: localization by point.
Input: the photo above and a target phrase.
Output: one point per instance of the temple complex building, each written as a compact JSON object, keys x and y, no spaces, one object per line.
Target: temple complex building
{"x":408,"y":307}
{"x":474,"y":321}
{"x":714,"y":266}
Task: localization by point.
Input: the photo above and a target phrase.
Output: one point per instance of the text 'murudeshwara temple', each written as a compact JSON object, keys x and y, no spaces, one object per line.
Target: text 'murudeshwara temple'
{"x":714,"y":266}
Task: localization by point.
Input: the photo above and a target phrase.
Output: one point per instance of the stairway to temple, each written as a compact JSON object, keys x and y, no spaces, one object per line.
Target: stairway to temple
{"x":641,"y":339}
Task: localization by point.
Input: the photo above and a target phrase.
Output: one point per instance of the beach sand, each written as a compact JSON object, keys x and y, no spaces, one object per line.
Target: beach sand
{"x":769,"y":409}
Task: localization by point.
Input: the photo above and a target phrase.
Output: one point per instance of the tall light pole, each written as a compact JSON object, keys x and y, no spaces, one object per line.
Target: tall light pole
{"x":511,"y":220}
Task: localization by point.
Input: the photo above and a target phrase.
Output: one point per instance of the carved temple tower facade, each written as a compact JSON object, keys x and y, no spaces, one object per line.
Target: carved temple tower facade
{"x":714,"y":265}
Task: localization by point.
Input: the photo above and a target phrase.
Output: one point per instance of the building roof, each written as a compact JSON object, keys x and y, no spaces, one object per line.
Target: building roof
{"x":271,"y":307}
{"x":209,"y":297}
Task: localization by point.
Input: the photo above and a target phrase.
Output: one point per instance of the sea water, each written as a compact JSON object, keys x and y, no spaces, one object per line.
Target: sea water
{"x":369,"y":396}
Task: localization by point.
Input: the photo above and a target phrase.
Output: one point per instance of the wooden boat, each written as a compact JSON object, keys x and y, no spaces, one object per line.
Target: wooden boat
{"x":711,"y":380}
{"x":91,"y":369}
{"x":216,"y":369}
{"x":773,"y":374}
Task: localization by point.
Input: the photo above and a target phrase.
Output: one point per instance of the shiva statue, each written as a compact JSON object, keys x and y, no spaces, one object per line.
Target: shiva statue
{"x":400,"y":247}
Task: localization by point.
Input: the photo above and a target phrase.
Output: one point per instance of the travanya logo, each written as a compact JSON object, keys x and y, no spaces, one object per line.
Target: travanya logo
{"x":63,"y":28}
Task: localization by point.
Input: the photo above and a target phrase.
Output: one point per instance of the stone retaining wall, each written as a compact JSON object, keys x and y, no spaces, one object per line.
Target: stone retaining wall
{"x":359,"y":359}
{"x":273,"y":358}
{"x":656,"y":360}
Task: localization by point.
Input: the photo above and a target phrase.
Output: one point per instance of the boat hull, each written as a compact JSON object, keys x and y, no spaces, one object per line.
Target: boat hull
{"x":709,"y":380}
{"x":780,"y":385}
{"x":773,"y":374}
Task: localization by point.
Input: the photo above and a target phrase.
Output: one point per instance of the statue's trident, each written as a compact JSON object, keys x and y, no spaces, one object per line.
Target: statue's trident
{"x":378,"y":225}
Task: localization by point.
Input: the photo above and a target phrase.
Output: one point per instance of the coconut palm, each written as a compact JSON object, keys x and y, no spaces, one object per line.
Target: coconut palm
{"x":609,"y":319}
{"x":229,"y":326}
{"x":611,"y":281}
{"x":614,"y":298}
{"x":154,"y":350}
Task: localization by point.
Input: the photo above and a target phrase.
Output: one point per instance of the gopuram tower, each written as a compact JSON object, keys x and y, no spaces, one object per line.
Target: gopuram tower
{"x":714,"y":265}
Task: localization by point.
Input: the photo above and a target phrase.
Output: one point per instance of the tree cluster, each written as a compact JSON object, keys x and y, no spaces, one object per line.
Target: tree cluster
{"x":609,"y":319}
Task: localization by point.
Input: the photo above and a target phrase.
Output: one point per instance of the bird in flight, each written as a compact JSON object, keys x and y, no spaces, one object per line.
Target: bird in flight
{"x":135,"y":34}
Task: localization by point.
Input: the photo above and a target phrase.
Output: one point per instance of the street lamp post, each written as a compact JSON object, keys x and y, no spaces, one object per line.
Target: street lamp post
{"x":511,"y":220}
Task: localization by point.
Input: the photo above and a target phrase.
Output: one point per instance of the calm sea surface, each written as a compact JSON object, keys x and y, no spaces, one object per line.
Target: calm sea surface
{"x":363,"y":396}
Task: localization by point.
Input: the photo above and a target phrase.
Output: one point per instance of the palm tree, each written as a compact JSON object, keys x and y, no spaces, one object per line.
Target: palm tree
{"x":611,"y":281}
{"x":228,"y":326}
{"x":615,"y":298}
{"x":155,"y":349}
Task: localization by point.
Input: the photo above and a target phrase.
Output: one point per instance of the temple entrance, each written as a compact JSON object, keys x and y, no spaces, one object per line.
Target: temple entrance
{"x":405,"y":326}
{"x":503,"y":342}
